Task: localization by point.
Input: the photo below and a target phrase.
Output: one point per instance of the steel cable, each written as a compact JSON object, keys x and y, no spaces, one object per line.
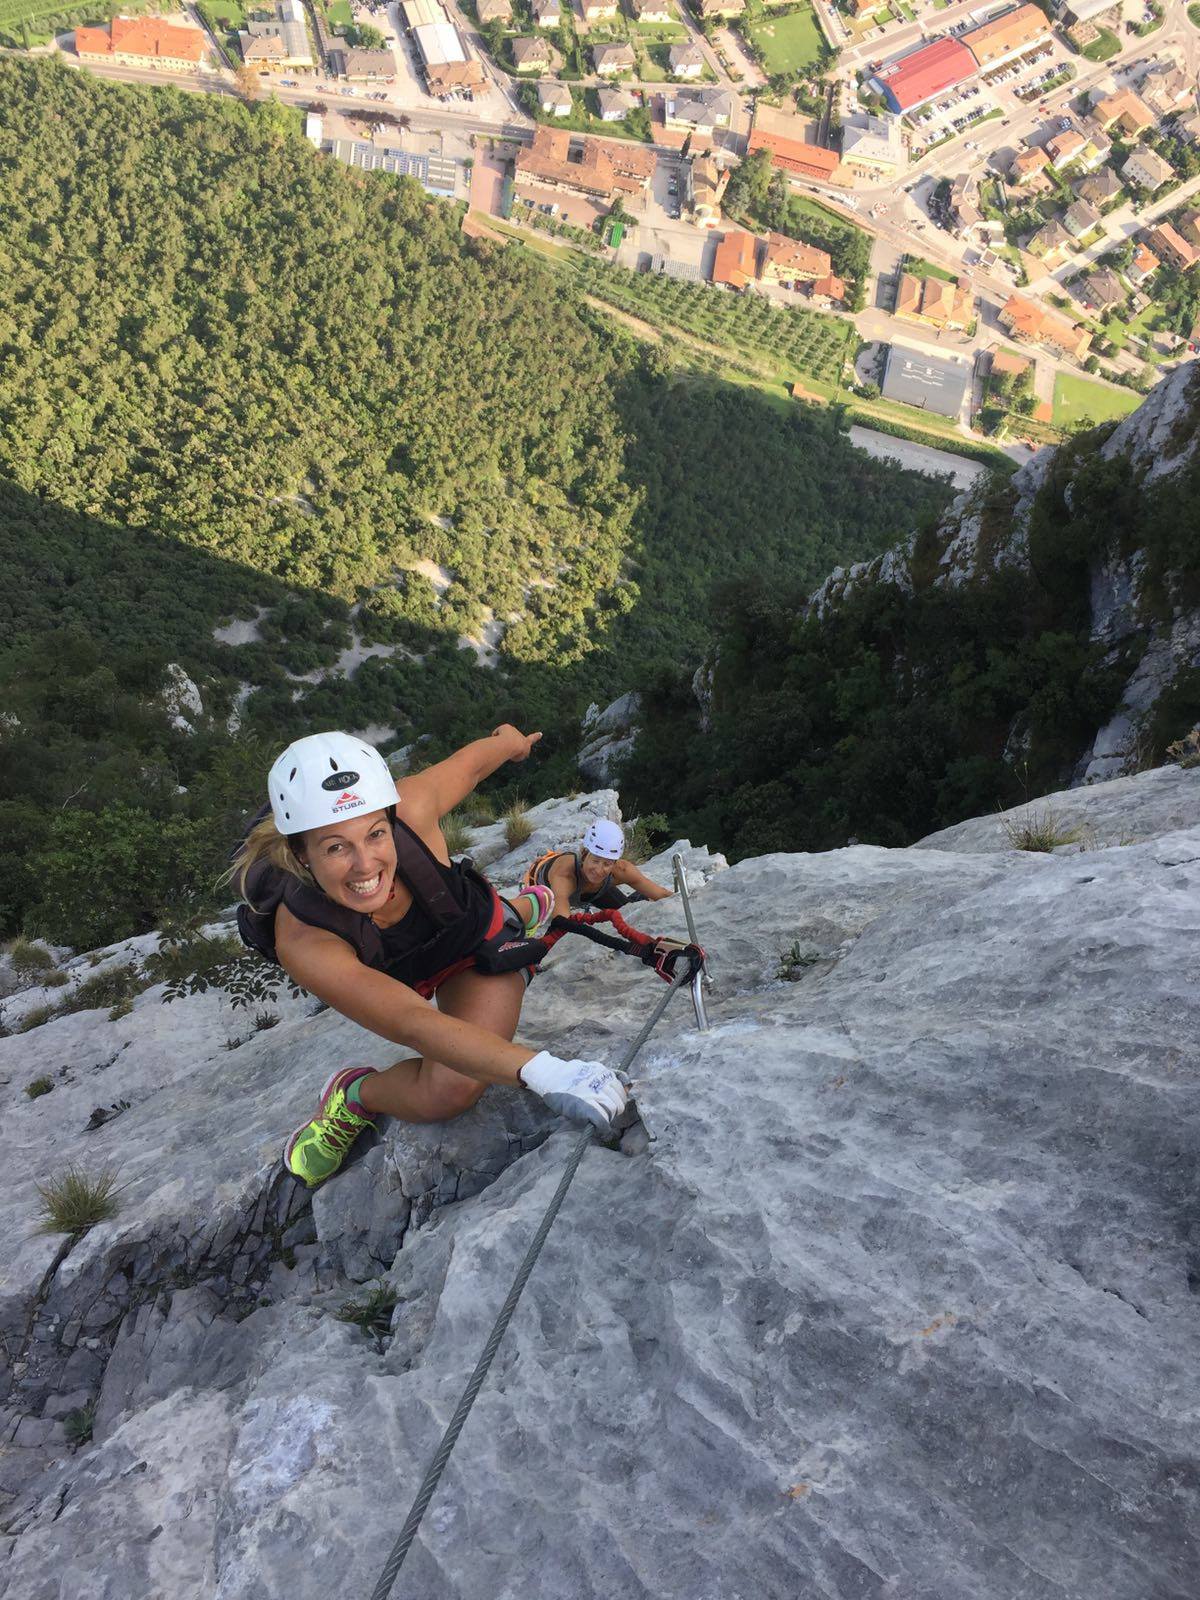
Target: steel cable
{"x":437,"y":1466}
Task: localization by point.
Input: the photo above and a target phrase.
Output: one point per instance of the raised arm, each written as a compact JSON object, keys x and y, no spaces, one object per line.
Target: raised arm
{"x":447,"y":783}
{"x":631,"y":877}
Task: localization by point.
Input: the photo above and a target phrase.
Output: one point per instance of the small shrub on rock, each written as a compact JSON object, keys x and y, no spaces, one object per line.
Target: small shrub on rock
{"x":38,"y":1087}
{"x":30,"y":959}
{"x":75,"y":1201}
{"x":78,"y":1424}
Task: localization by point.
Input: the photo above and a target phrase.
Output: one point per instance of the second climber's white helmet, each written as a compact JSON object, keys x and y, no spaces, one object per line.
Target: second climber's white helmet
{"x":605,"y":839}
{"x":325,"y":777}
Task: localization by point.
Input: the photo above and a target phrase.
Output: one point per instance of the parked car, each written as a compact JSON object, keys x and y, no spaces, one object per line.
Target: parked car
{"x":288,"y":83}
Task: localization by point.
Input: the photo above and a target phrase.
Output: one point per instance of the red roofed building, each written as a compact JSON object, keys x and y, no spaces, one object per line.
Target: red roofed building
{"x":783,"y":134}
{"x":142,"y":42}
{"x":915,"y":78}
{"x":734,"y":263}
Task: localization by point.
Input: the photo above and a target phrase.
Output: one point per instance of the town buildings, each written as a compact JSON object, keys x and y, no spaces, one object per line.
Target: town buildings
{"x":787,"y":260}
{"x":925,"y":73}
{"x":1006,"y":36}
{"x":706,"y":185}
{"x":874,"y":146}
{"x":143,"y":42}
{"x":785,"y":135}
{"x":685,"y":61}
{"x":554,"y":98}
{"x":1125,"y":112}
{"x":277,"y":37}
{"x":597,"y":169}
{"x":1027,"y":319}
{"x":611,"y":59}
{"x":531,"y":55}
{"x":934,"y":301}
{"x":734,"y":262}
{"x":1147,"y":169}
{"x":1170,"y":246}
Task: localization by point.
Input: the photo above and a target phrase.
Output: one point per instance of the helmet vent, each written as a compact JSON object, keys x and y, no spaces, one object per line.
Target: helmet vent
{"x":292,"y":774}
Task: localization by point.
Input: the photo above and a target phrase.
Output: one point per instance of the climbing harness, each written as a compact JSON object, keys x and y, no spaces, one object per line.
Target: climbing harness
{"x":677,"y":963}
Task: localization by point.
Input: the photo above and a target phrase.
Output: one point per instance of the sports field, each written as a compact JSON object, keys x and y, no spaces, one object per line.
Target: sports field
{"x":789,"y":44}
{"x":1077,"y":400}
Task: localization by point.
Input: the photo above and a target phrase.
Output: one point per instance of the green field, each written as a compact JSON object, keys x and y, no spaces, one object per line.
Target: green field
{"x":1078,"y":400}
{"x":339,"y":14}
{"x":789,"y":44}
{"x":1102,"y":48}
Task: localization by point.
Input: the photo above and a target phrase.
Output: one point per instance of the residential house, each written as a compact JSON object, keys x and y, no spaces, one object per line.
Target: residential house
{"x":611,"y":59}
{"x":1080,"y":218}
{"x":1026,"y":319}
{"x":699,"y":113}
{"x":1189,"y":128}
{"x":860,"y":8}
{"x":143,"y":42}
{"x":1101,"y":291}
{"x":734,"y":263}
{"x":706,"y":185}
{"x":284,"y":24}
{"x":1126,"y":112}
{"x":1167,"y":90}
{"x":1099,"y":188}
{"x":718,"y":8}
{"x":599,"y":10}
{"x":1144,"y":263}
{"x":1065,"y":147}
{"x":531,"y":55}
{"x":1189,"y":226}
{"x":453,"y":80}
{"x":651,"y":11}
{"x":788,"y":260}
{"x":874,"y":146}
{"x":547,"y":13}
{"x":785,"y":135}
{"x":685,"y":61}
{"x":1052,"y":243}
{"x":1148,"y":170}
{"x":493,"y":10}
{"x":615,"y":105}
{"x":1172,"y":247}
{"x":964,"y":194}
{"x":363,"y":66}
{"x":934,"y":301}
{"x":554,"y":98}
{"x":1026,"y":164}
{"x":828,"y":291}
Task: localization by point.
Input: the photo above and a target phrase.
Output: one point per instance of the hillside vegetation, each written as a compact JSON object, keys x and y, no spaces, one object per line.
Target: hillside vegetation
{"x":910,"y":702}
{"x":238,"y":380}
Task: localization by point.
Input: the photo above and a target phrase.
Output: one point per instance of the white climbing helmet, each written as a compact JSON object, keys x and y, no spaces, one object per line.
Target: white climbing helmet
{"x":325,"y":777}
{"x":605,"y":839}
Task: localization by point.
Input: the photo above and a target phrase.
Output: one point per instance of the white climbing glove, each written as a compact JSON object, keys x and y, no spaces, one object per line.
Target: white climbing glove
{"x":584,"y":1091}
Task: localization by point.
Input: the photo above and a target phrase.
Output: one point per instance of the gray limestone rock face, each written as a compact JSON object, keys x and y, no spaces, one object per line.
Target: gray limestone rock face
{"x":608,"y":736}
{"x":555,"y":824}
{"x":899,"y":1304}
{"x":1119,"y":811}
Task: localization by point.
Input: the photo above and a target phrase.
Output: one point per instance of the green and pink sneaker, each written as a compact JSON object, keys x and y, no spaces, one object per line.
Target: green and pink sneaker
{"x":316,"y":1151}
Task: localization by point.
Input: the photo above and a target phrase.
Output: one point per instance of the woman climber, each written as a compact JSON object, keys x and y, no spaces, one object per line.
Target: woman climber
{"x":349,"y":887}
{"x":592,"y":877}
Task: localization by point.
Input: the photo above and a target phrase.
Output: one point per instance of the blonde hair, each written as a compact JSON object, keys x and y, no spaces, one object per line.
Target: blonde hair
{"x":264,"y":842}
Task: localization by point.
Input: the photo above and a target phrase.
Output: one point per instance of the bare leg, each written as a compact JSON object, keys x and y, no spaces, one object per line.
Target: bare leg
{"x":428,"y":1091}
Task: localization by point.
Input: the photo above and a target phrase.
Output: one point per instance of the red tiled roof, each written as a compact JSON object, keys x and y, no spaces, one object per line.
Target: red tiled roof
{"x":734,"y":260}
{"x":141,"y":36}
{"x":927,"y":72}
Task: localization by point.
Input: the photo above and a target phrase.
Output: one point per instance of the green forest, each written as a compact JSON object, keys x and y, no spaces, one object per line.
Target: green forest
{"x":238,"y":381}
{"x":906,"y":708}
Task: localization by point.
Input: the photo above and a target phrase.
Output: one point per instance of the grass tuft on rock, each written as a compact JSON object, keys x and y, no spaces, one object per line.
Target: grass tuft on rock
{"x":38,"y":1087}
{"x":517,"y":825}
{"x":78,"y":1424}
{"x":1040,"y":831}
{"x":373,"y":1313}
{"x":29,"y":958}
{"x":76,"y":1200}
{"x":456,"y":831}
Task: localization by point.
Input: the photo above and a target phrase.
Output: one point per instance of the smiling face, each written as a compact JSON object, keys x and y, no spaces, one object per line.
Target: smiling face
{"x":593,"y":869}
{"x":354,"y":862}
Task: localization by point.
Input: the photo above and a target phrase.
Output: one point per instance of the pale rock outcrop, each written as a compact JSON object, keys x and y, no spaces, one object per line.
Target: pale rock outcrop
{"x":608,"y":736}
{"x":181,"y":698}
{"x":900,"y":1302}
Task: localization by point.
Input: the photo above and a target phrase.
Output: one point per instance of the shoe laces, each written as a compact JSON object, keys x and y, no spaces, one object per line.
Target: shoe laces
{"x":337,"y":1130}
